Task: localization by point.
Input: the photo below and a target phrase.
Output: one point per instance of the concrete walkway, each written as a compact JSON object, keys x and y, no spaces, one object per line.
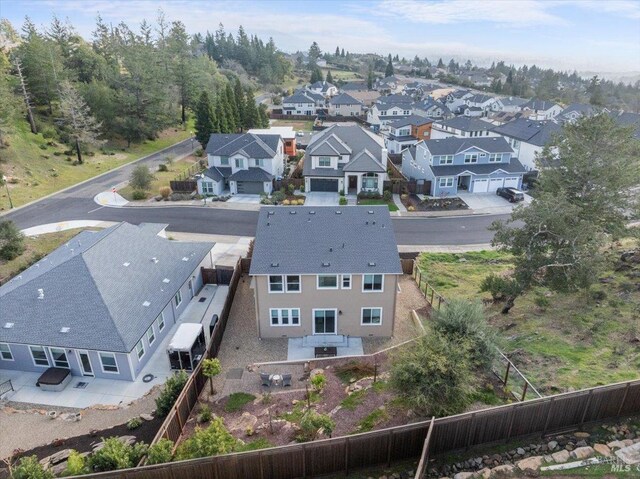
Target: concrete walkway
{"x":110,"y":198}
{"x":398,"y":202}
{"x":65,"y":225}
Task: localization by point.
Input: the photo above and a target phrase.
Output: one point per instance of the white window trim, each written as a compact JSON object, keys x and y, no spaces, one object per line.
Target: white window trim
{"x":337,"y":286}
{"x":177,"y":299}
{"x":446,"y":181}
{"x":342,"y":278}
{"x":373,"y":290}
{"x":286,"y":284}
{"x":323,"y":157}
{"x":362,"y":323}
{"x":468,"y":157}
{"x":45,"y":355}
{"x":495,"y":158}
{"x":64,"y":351}
{"x":281,"y":281}
{"x":13,"y":358}
{"x":290,"y":315}
{"x":115,"y":360}
{"x":153,"y":333}
{"x":313,"y":319}
{"x":159,"y":321}
{"x":138,"y":355}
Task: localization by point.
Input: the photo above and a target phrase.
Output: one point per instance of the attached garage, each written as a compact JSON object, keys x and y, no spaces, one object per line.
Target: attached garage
{"x":249,"y":187}
{"x":511,"y":182}
{"x":495,"y":183}
{"x":324,"y":184}
{"x":480,"y":186}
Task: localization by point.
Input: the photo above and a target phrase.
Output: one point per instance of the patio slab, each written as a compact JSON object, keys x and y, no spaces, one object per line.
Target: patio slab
{"x":298,"y":350}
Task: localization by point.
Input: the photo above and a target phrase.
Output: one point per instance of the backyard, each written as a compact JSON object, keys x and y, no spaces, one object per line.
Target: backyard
{"x":561,"y":342}
{"x":298,"y":125}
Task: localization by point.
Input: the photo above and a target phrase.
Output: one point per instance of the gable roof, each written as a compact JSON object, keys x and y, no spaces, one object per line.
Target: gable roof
{"x":514,"y":166}
{"x":480,"y":98}
{"x":535,"y":104}
{"x":358,"y":240}
{"x":537,"y":133}
{"x":627,"y":118}
{"x":354,"y":85}
{"x":88,"y":289}
{"x":249,"y":144}
{"x":299,"y":96}
{"x":414,"y":120}
{"x":513,"y":101}
{"x":322,"y":85}
{"x":453,"y":145}
{"x":466,"y":123}
{"x":364,"y":162}
{"x":253,"y":173}
{"x":344,"y":99}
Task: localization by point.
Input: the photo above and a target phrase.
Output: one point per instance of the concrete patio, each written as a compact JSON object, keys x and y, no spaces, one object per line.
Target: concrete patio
{"x":304,"y":348}
{"x":250,"y":199}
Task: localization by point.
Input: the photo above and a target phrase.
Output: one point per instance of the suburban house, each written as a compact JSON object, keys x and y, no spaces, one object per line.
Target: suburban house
{"x":512,"y":104}
{"x":407,"y":131}
{"x":287,"y":133}
{"x":303,"y":102}
{"x":345,"y":105}
{"x":476,"y":165}
{"x":389,"y":108}
{"x":345,"y":158}
{"x":431,"y":108}
{"x":527,"y":138}
{"x":101,"y":304}
{"x":543,"y":110}
{"x":461,"y":127}
{"x":457,"y":98}
{"x":340,"y":280}
{"x":354,"y":86}
{"x":323,"y":88}
{"x":243,"y":163}
{"x":628,"y":119}
{"x":390,"y":85}
{"x":481,"y":103}
{"x":578,"y":110}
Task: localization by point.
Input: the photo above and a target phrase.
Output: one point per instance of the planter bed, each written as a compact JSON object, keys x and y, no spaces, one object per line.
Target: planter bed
{"x":432,"y":204}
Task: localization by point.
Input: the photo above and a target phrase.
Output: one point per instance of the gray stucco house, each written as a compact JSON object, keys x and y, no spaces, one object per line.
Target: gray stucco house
{"x":100,"y":304}
{"x":339,"y":277}
{"x":476,"y":165}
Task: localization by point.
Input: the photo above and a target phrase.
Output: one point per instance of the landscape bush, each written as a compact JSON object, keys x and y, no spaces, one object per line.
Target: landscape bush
{"x":141,"y":178}
{"x":170,"y":392}
{"x":205,"y":414}
{"x":278,"y":197}
{"x":387,"y":196}
{"x":312,"y":423}
{"x":30,"y":468}
{"x":165,"y":191}
{"x":210,"y":368}
{"x":160,"y":452}
{"x":76,"y":464}
{"x":116,"y":454}
{"x":11,"y":241}
{"x":163,"y":167}
{"x":213,"y":440}
{"x":138,"y":195}
{"x":343,"y":201}
{"x":134,"y":423}
{"x":318,"y":382}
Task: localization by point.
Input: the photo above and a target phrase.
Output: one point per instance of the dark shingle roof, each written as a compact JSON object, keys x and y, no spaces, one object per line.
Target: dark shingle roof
{"x":299,"y":97}
{"x":88,"y":289}
{"x":415,"y":120}
{"x":354,"y":86}
{"x":352,"y":242}
{"x":466,"y":123}
{"x":249,"y":144}
{"x":535,"y":104}
{"x":253,"y":173}
{"x":344,"y":99}
{"x":453,"y":145}
{"x":514,"y":166}
{"x":628,"y":118}
{"x":537,"y":133}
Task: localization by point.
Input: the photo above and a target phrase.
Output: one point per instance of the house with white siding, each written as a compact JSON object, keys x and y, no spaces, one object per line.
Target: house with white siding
{"x":461,"y":127}
{"x":527,"y":138}
{"x":542,"y":109}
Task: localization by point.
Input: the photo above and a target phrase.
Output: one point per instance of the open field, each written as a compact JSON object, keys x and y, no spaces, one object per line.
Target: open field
{"x":37,"y":166}
{"x":345,"y":75}
{"x":560,"y":341}
{"x":296,"y":124}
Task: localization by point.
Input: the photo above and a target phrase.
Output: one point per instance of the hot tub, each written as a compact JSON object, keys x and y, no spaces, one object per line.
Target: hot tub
{"x":54,"y":379}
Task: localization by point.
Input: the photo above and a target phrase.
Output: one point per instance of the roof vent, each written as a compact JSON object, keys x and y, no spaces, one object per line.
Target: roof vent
{"x":326,"y":265}
{"x":41,"y":294}
{"x":65,"y":329}
{"x":166,"y":280}
{"x":8,"y":325}
{"x":292,"y":212}
{"x":271,"y":213}
{"x":155,"y":260}
{"x":331,"y":250}
{"x":146,"y":304}
{"x":338,"y":212}
{"x":371,"y":263}
{"x":184,"y":258}
{"x":370,"y":212}
{"x":126,"y":264}
{"x":275,"y":265}
{"x":312,"y":212}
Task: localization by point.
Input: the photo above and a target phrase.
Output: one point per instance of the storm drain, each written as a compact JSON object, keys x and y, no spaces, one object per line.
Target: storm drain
{"x":202,"y":300}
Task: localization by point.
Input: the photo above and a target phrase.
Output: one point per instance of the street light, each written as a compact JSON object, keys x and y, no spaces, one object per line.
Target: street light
{"x":6,"y":185}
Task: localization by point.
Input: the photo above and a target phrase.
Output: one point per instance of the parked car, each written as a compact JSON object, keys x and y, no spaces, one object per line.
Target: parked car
{"x":512,"y":194}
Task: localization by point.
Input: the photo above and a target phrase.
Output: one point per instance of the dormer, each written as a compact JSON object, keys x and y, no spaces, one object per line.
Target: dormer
{"x":238,"y":162}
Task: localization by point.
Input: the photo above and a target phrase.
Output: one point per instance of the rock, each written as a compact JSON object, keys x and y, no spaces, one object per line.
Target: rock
{"x":602,"y":449}
{"x":628,"y":442}
{"x":130,"y":440}
{"x":630,"y":454}
{"x":548,"y":459}
{"x":245,"y":422}
{"x":520,"y":451}
{"x":463,"y":475}
{"x":560,"y":456}
{"x":59,"y":456}
{"x":582,"y":435}
{"x":146,"y":417}
{"x":505,"y":470}
{"x":552,"y":445}
{"x":616,"y":445}
{"x":315,"y":372}
{"x":71,"y":416}
{"x":58,"y":469}
{"x":530,"y":465}
{"x":581,"y":443}
{"x":582,"y":452}
{"x":483,"y":473}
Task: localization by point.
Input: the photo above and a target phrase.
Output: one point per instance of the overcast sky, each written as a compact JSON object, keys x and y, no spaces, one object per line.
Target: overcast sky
{"x":593,"y":35}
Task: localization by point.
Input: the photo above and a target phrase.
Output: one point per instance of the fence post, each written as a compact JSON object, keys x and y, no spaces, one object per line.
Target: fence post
{"x":506,"y":376}
{"x":624,"y":399}
{"x":524,"y":391}
{"x":389,"y":438}
{"x":432,"y":292}
{"x":586,"y":407}
{"x":424,"y":457}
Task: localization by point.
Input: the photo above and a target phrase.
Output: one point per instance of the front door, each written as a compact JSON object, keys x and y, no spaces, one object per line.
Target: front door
{"x":325,"y":321}
{"x":85,"y":363}
{"x":353,"y":183}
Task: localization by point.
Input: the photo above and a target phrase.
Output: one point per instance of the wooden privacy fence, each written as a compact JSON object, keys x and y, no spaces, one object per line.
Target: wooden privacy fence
{"x":183,"y":186}
{"x":394,"y":171}
{"x":342,"y":455}
{"x":399,"y":187}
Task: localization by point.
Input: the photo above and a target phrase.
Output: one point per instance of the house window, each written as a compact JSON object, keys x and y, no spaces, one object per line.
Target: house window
{"x":238,"y":162}
{"x":324,"y":161}
{"x":445,"y":182}
{"x":151,"y":335}
{"x":293,"y":284}
{"x":275,"y":284}
{"x":160,"y":322}
{"x":285,"y":317}
{"x":471,"y":158}
{"x":108,"y":362}
{"x":140,"y":349}
{"x":346,"y":281}
{"x":515,"y":143}
{"x":371,"y":316}
{"x":370,"y":181}
{"x":446,"y":160}
{"x":372,"y":282}
{"x":224,"y":161}
{"x":207,"y":187}
{"x":327,"y":281}
{"x":59,"y":358}
{"x":39,"y":356}
{"x":495,"y":157}
{"x":260,"y":163}
{"x":5,"y":352}
{"x":177,"y":299}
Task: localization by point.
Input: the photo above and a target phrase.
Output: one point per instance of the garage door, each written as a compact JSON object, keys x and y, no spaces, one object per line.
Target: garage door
{"x":249,"y":187}
{"x":323,"y":184}
{"x":480,"y":186}
{"x":511,"y":182}
{"x":495,"y":183}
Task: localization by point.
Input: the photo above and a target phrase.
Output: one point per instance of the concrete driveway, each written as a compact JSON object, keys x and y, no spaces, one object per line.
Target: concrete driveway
{"x":489,"y":202}
{"x":251,"y":199}
{"x":319,"y":198}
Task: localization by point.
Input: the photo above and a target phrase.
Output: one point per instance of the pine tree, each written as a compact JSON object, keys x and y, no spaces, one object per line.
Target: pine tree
{"x":251,"y":112}
{"x":238,"y":94}
{"x":440,"y":63}
{"x":389,"y":71}
{"x":329,"y":77}
{"x":204,"y":124}
{"x":233,"y":108}
{"x":370,"y":79}
{"x":342,"y":53}
{"x":263,"y":117}
{"x":337,"y":53}
{"x":222,"y":114}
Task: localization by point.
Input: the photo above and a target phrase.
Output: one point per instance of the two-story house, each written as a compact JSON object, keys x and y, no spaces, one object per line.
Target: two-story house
{"x":461,"y":127}
{"x":457,"y":98}
{"x":476,"y":165}
{"x":345,"y":105}
{"x":481,"y":104}
{"x":324,"y":88}
{"x":512,"y":104}
{"x":390,"y":85}
{"x":431,"y":108}
{"x":340,"y":280}
{"x":542,"y":109}
{"x":389,"y":108}
{"x":576,"y":111}
{"x":303,"y":102}
{"x":528,"y":138}
{"x":406,"y":132}
{"x":345,"y":158}
{"x":243,"y":163}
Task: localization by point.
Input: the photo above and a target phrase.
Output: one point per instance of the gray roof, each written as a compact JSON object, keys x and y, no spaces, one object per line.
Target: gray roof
{"x":581,"y":108}
{"x":352,"y":242}
{"x":250,"y":145}
{"x":459,"y":93}
{"x":454,"y":145}
{"x":414,"y":120}
{"x":354,"y":86}
{"x":216,"y":173}
{"x":628,"y":119}
{"x":480,"y":98}
{"x":344,"y":99}
{"x":535,"y":104}
{"x":322,"y":85}
{"x":253,"y":173}
{"x":88,"y":288}
{"x":537,"y":133}
{"x":364,"y":162}
{"x":389,"y":101}
{"x":513,"y":101}
{"x":299,"y":97}
{"x":514,"y":166}
{"x":466,"y":123}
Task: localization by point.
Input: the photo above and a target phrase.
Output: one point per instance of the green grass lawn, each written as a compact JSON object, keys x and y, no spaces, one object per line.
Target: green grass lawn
{"x":237,"y":401}
{"x":162,"y":178}
{"x":345,"y":75}
{"x":559,"y":341}
{"x":36,"y":168}
{"x":391,"y":205}
{"x":296,"y":124}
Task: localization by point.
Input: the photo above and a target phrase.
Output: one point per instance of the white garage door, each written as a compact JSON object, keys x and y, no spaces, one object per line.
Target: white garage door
{"x":511,"y":182}
{"x":494,"y":184}
{"x":480,"y":186}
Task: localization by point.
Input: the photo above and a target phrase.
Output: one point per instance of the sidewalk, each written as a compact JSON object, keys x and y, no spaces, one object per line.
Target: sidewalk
{"x":65,"y":225}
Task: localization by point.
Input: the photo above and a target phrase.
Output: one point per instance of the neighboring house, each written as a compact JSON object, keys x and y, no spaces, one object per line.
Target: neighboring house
{"x":287,"y":133}
{"x":512,"y":104}
{"x":345,"y":105}
{"x":461,"y":127}
{"x":477,"y":165}
{"x":340,"y":279}
{"x":100,"y":304}
{"x":431,"y":108}
{"x":324,"y":88}
{"x":367,"y":97}
{"x":477,"y":78}
{"x":578,"y":110}
{"x":389,"y":108}
{"x":389,"y":85}
{"x":406,"y":132}
{"x":527,"y":138}
{"x":354,"y":86}
{"x":628,"y":119}
{"x":456,"y":98}
{"x":244,"y":163}
{"x":483,"y":103}
{"x":544,"y":110}
{"x":303,"y":102}
{"x":345,"y":158}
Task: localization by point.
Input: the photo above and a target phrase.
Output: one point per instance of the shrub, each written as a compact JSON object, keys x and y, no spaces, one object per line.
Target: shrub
{"x":134,"y":423}
{"x":343,"y":201}
{"x":170,"y":392}
{"x":11,"y":241}
{"x":211,"y":441}
{"x":341,"y":192}
{"x":277,"y":197}
{"x":301,"y":188}
{"x":43,"y":146}
{"x":48,"y":132}
{"x":301,"y":201}
{"x":199,"y":152}
{"x":160,"y":452}
{"x":387,"y":196}
{"x":598,"y":295}
{"x":115,"y":454}
{"x":286,"y":202}
{"x":541,"y":301}
{"x":30,"y":468}
{"x":163,"y":167}
{"x":291,"y":188}
{"x":354,"y":370}
{"x":411,"y":208}
{"x":139,"y":195}
{"x":311,"y":424}
{"x":76,"y":464}
{"x":165,"y":191}
{"x":318,"y":382}
{"x":205,"y":414}
{"x":499,"y":287}
{"x":141,"y":178}
{"x":211,"y":368}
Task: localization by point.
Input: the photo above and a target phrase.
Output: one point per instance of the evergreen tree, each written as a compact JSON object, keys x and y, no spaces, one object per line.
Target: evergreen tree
{"x":440,"y":63}
{"x":181,"y":66}
{"x":263,"y":117}
{"x":233,"y":108}
{"x":204,"y":124}
{"x":595,"y":91}
{"x":337,"y":53}
{"x":342,"y":53}
{"x":370,"y":79}
{"x":316,"y":75}
{"x":222,"y":115}
{"x":314,"y":53}
{"x":389,"y":71}
{"x":251,"y":111}
{"x":238,"y":94}
{"x":329,"y":77}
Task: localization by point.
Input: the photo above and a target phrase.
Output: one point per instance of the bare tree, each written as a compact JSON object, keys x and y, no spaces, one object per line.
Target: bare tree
{"x":27,"y":98}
